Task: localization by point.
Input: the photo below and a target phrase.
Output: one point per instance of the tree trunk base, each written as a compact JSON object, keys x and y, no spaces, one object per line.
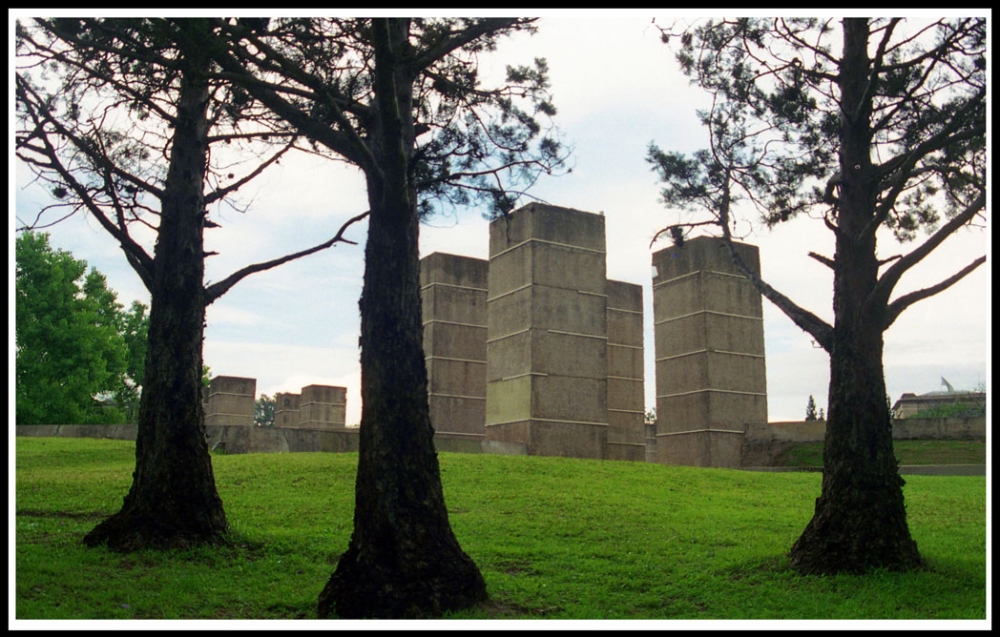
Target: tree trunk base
{"x":855,"y":539}
{"x":128,"y":531}
{"x":419,"y":588}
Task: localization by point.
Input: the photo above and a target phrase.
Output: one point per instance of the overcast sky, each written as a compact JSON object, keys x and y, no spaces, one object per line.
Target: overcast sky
{"x":616,"y":88}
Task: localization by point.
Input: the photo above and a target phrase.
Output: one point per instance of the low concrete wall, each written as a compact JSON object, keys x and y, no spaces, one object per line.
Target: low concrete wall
{"x":242,"y":439}
{"x":228,"y":438}
{"x":763,"y":443}
{"x":939,"y":428}
{"x":280,"y":439}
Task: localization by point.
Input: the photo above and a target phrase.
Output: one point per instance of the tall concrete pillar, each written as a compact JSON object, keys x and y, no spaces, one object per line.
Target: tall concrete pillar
{"x":230,"y":401}
{"x":547,"y":336}
{"x":322,"y":407}
{"x":453,"y":293}
{"x":710,"y":372}
{"x":626,"y":394}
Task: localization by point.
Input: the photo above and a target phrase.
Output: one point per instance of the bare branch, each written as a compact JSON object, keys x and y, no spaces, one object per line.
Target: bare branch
{"x":809,"y":322}
{"x":223,"y":192}
{"x":896,"y":307}
{"x":827,"y":261}
{"x":886,"y":283}
{"x":457,"y":40}
{"x":216,"y":290}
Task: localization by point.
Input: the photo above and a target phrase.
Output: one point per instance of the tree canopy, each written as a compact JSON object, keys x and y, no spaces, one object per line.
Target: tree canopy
{"x":73,"y":341}
{"x":263,"y":411}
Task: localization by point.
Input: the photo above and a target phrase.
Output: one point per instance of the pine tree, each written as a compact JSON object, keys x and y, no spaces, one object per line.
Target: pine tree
{"x":872,"y":127}
{"x":811,"y":409}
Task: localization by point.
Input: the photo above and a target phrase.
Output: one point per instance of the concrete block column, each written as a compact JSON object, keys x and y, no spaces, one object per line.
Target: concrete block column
{"x":286,"y":409}
{"x":710,"y":371}
{"x":453,"y":292}
{"x":547,"y":336}
{"x":230,"y":401}
{"x":626,"y":393}
{"x":322,"y":407}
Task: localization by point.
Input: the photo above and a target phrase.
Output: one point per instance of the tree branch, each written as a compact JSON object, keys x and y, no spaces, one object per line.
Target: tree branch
{"x":828,"y":262}
{"x":346,"y":143}
{"x":446,"y":45}
{"x":896,"y":307}
{"x":222,"y":192}
{"x":216,"y":290}
{"x":883,"y":288}
{"x":904,"y":164}
{"x":140,"y":261}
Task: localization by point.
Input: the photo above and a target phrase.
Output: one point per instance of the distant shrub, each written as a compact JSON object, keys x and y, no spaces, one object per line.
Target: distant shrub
{"x":953,"y":410}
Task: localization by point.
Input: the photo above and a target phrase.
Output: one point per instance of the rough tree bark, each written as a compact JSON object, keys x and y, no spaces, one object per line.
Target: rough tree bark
{"x":860,"y":518}
{"x":403,"y":560}
{"x":173,"y":502}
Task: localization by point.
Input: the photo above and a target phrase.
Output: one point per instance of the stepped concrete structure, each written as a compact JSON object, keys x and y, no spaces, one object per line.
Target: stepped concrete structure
{"x":547,"y":334}
{"x":534,"y":351}
{"x":453,"y":293}
{"x":322,"y":407}
{"x":229,"y":401}
{"x":709,"y":345}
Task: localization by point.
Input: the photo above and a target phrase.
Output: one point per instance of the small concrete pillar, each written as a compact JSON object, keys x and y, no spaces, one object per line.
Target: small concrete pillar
{"x":322,"y":407}
{"x":230,"y":401}
{"x":286,"y":409}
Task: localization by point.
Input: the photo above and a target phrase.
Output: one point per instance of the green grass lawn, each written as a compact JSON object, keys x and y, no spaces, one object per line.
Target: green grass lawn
{"x":555,"y":538}
{"x":908,"y":452}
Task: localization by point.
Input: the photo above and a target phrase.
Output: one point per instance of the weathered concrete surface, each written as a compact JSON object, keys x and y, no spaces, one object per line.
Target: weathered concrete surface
{"x":906,"y":469}
{"x":232,"y":439}
{"x":709,"y":344}
{"x":625,"y":371}
{"x":770,"y":440}
{"x":230,"y":401}
{"x":114,"y":432}
{"x":547,"y":334}
{"x":323,"y":407}
{"x":939,"y":428}
{"x":453,"y":297}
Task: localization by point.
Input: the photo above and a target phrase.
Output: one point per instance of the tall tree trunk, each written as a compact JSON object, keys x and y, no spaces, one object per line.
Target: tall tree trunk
{"x":860,"y":518}
{"x":173,"y":501}
{"x":403,"y":560}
